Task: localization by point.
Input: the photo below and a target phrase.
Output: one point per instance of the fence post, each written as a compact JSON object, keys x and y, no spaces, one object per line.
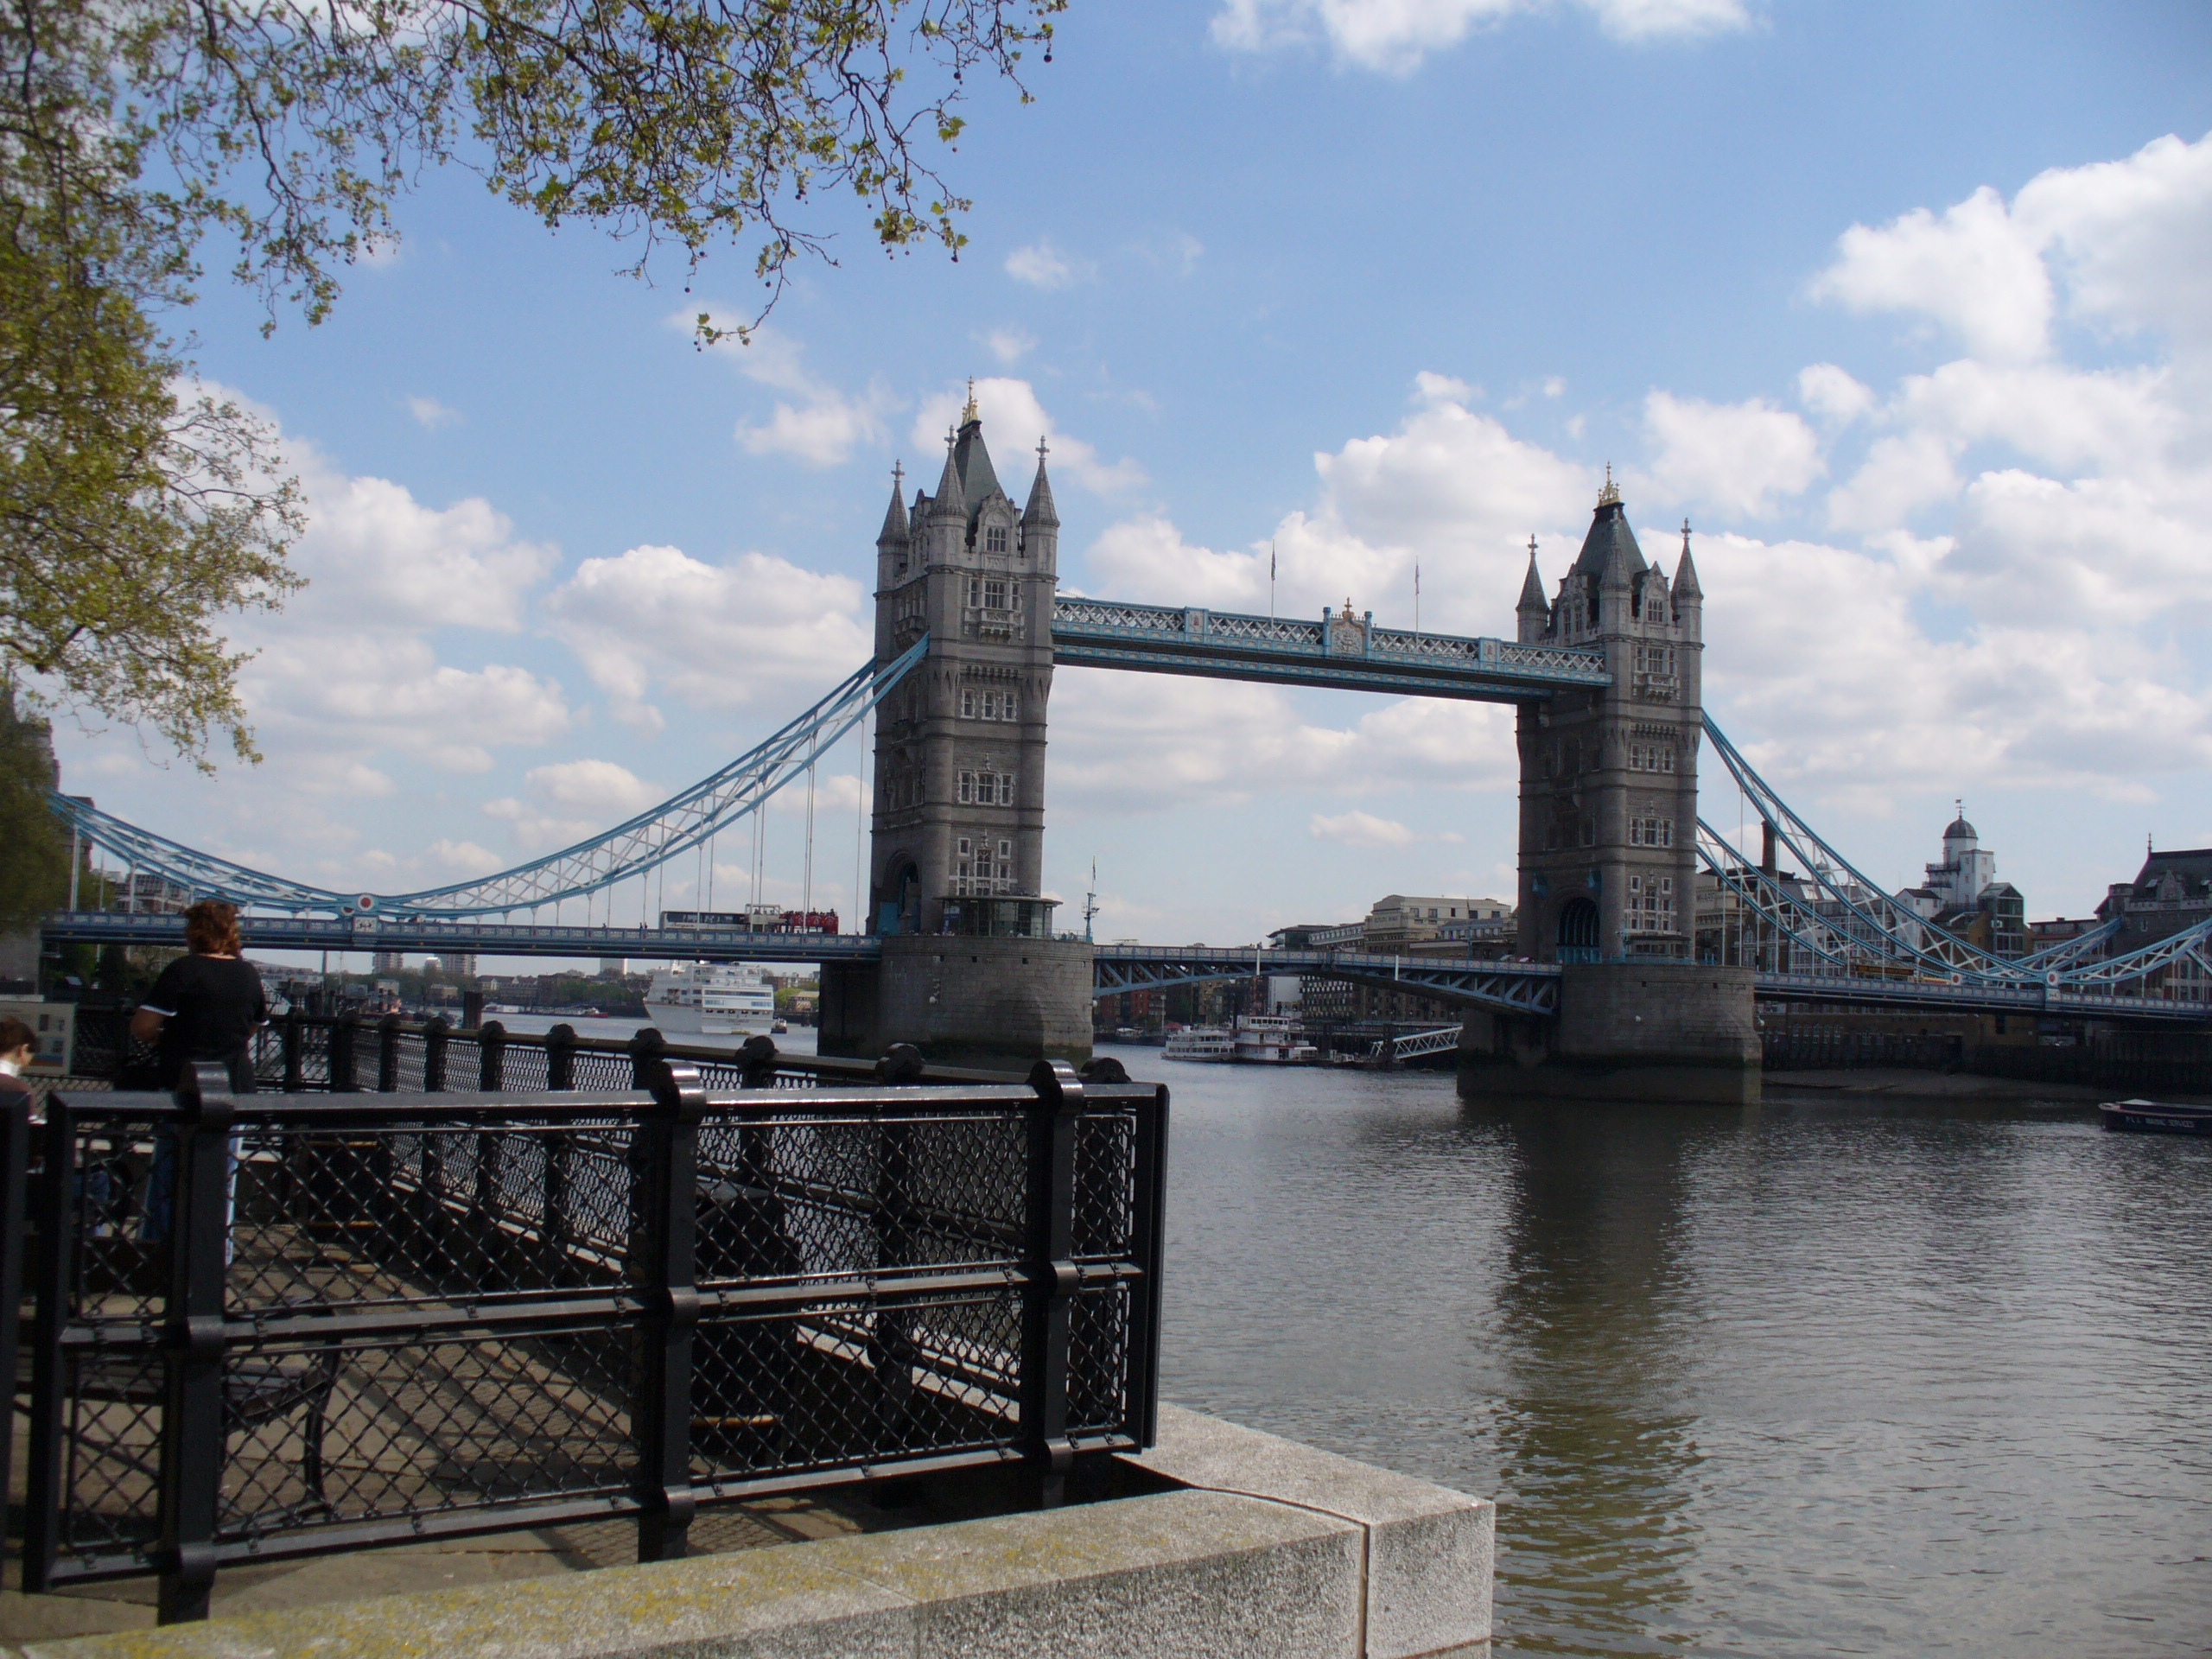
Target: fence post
{"x":388,"y":1054}
{"x":57,"y":1233}
{"x":294,"y":1041}
{"x":14,"y":1160}
{"x":192,"y":1417}
{"x":663,"y":1261}
{"x":492,"y":1038}
{"x":1049,"y":1303}
{"x":344,"y":1032}
{"x":433,"y":1055}
{"x":561,"y":1057}
{"x":646,"y":1047}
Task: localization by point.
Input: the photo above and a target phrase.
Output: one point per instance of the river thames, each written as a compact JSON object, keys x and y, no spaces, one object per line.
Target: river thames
{"x":1816,"y":1377}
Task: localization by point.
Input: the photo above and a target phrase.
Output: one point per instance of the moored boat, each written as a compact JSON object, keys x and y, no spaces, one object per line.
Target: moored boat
{"x":2155,"y":1117}
{"x":1200,"y":1043}
{"x":710,"y":999}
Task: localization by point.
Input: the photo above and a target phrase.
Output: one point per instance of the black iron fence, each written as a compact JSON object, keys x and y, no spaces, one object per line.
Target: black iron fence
{"x":266,"y":1326}
{"x":303,"y":1053}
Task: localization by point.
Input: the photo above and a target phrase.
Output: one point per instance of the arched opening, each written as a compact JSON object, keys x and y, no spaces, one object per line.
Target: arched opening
{"x":1577,"y":931}
{"x":901,"y":910}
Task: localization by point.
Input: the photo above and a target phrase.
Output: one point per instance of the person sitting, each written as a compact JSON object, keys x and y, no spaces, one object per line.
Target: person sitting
{"x":207,"y":1005}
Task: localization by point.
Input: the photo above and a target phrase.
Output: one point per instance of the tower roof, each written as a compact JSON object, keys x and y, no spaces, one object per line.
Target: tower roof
{"x":951,"y":500}
{"x":1685,"y":572}
{"x":893,"y":533}
{"x":1610,"y":548}
{"x":1961,"y":830}
{"x":1041,"y":512}
{"x":1532,"y":587}
{"x":977,"y":478}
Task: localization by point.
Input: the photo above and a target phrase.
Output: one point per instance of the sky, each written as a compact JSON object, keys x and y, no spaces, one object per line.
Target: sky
{"x":1902,"y":306}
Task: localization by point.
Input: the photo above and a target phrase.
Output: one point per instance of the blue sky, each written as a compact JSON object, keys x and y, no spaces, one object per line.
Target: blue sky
{"x":1901,"y":305}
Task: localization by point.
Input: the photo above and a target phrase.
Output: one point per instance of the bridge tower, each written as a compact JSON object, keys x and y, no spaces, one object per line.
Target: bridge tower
{"x":1609,"y":844}
{"x":970,"y":969}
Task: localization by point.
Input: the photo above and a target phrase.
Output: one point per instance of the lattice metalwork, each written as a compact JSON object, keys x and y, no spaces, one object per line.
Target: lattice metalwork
{"x":418,"y":1313}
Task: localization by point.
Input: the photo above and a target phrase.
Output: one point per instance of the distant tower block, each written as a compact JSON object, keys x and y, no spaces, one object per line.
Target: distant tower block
{"x":970,"y":969}
{"x":1609,"y":847}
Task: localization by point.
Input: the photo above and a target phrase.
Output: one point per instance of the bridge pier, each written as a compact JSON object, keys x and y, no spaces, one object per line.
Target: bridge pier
{"x":993,"y":1003}
{"x":1649,"y":1031}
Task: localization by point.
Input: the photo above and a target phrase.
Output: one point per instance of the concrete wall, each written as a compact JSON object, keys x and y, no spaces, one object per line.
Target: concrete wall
{"x":1625,"y":1031}
{"x":1265,"y":1548}
{"x":964,"y":1001}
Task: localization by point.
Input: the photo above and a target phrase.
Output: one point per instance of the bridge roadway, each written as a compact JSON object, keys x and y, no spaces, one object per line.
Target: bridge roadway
{"x":1511,"y":986}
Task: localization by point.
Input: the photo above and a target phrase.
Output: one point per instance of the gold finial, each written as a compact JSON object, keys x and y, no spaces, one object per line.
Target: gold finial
{"x":1611,"y":495}
{"x":968,"y":414}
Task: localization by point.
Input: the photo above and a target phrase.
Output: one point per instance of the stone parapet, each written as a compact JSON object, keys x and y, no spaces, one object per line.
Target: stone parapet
{"x":1264,"y":1546}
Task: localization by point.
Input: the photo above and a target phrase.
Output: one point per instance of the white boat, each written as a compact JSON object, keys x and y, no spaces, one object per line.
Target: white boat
{"x":1254,"y":1040}
{"x":712,"y":999}
{"x":1273,"y":1039}
{"x":1200,"y":1043}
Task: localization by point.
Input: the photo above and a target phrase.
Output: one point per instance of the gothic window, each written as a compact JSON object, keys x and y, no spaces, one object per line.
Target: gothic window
{"x":986,"y":788}
{"x":968,"y":701}
{"x":1651,"y":832}
{"x":1651,"y":904}
{"x":995,"y":539}
{"x":988,"y":705}
{"x":996,"y":594}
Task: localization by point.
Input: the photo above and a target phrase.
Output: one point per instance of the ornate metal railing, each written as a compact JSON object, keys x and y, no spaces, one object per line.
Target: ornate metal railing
{"x":269,"y":1326}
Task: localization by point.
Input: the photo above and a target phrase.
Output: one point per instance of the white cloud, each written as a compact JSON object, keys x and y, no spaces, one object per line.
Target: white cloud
{"x":715,"y":636}
{"x":1974,"y":269}
{"x":572,"y":800}
{"x":431,"y":415}
{"x":1360,"y":829}
{"x":1042,"y":266}
{"x":1013,"y":420}
{"x":1741,"y":458}
{"x":1833,"y":394}
{"x":1395,"y":35}
{"x":1010,"y":344}
{"x":820,"y":425}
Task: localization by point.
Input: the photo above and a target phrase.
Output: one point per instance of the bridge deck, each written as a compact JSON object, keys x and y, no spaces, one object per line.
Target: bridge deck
{"x":1342,"y":653}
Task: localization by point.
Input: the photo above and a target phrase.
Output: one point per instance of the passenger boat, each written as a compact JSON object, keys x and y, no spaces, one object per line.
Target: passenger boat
{"x":1273,"y":1039}
{"x":2157,"y":1119}
{"x":710,"y":999}
{"x":1200,"y":1043}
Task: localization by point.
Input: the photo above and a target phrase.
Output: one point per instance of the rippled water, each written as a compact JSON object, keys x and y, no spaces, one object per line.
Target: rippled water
{"x":1808,"y":1378}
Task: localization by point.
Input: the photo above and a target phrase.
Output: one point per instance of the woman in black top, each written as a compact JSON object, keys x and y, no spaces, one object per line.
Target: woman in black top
{"x":206,"y":1006}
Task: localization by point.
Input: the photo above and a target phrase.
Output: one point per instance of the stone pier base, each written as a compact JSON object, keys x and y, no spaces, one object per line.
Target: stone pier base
{"x":999,"y":1003}
{"x":1660,"y":1031}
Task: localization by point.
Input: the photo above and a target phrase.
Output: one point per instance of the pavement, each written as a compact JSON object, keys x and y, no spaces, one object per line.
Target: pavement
{"x":406,"y":1569}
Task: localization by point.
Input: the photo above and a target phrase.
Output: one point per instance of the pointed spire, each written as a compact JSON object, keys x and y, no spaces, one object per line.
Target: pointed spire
{"x":894,"y":533}
{"x":1041,"y":512}
{"x":1532,"y":589}
{"x":1686,"y":572}
{"x":951,"y":500}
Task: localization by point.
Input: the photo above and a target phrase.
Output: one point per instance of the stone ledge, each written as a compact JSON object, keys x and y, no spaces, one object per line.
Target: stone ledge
{"x":1429,"y":1549}
{"x":1266,"y":1547}
{"x":1205,"y":1575}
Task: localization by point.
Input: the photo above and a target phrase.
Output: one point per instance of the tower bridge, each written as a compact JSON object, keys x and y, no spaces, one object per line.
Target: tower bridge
{"x":958,"y":953}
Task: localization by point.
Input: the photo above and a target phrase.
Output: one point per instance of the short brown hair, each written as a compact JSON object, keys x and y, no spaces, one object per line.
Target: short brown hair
{"x":210,"y":928}
{"x":15,"y":1034}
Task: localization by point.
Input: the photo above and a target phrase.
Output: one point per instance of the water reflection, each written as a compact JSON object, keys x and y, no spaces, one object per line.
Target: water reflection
{"x":1811,"y":1378}
{"x":1594,"y":1446}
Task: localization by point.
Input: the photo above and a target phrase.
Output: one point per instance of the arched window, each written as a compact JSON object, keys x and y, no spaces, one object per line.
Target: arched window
{"x":1577,"y":931}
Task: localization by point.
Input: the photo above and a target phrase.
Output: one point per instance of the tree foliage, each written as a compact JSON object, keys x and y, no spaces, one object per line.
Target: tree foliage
{"x":135,"y":513}
{"x":34,"y":853}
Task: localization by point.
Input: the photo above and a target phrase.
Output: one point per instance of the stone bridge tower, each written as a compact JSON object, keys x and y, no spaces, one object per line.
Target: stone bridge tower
{"x":1609,"y":849}
{"x":971,"y":970}
{"x":1609,"y":778}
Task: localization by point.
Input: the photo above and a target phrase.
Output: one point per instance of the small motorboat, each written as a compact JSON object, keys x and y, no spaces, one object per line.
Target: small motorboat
{"x":2156,"y":1119}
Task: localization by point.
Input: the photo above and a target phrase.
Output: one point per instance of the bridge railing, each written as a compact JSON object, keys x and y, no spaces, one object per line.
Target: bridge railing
{"x":347,"y":1054}
{"x":276,"y":1325}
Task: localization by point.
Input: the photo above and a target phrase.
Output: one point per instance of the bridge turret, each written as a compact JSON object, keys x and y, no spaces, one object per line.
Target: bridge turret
{"x":1533,"y":612}
{"x":893,"y":543}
